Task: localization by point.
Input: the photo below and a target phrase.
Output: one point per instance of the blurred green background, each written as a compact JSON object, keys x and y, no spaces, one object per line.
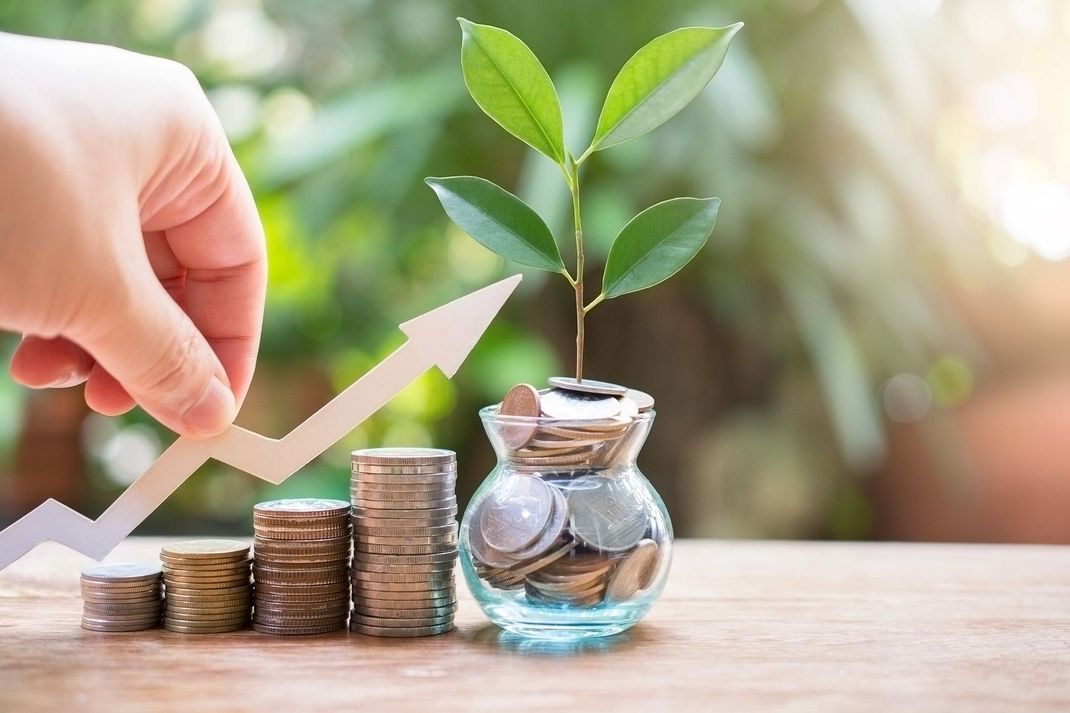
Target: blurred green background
{"x":886,"y":262}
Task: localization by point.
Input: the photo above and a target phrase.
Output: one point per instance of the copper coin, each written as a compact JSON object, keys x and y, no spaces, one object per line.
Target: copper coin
{"x":521,"y":403}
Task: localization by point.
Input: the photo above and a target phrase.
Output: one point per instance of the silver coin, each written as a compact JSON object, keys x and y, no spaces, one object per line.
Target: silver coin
{"x":448,"y":502}
{"x":205,"y":549}
{"x":359,"y":628}
{"x":643,"y":401}
{"x":405,"y":613}
{"x":122,"y":572}
{"x":588,"y":386}
{"x":302,"y":507}
{"x":404,"y":601}
{"x":385,"y":527}
{"x":445,"y":575}
{"x":438,"y":548}
{"x":553,"y":531}
{"x":429,"y":481}
{"x":518,"y":509}
{"x":408,"y":456}
{"x":412,"y":622}
{"x":573,"y":406}
{"x":478,"y":546}
{"x":606,"y":513}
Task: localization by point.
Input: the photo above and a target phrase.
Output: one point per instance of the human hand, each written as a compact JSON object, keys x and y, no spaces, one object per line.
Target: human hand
{"x":131,"y":253}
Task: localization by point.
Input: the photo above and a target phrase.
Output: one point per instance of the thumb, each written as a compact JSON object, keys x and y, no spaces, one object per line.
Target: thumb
{"x":157,"y":354}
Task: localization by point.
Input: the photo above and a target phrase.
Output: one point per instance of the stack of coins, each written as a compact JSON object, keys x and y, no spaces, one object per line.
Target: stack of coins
{"x":405,"y":541}
{"x":301,"y":554}
{"x":586,"y":423}
{"x":566,"y":540}
{"x":208,"y":588}
{"x":121,"y":597}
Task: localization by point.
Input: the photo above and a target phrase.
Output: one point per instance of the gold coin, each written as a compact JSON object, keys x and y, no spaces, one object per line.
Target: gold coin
{"x":628,"y":576}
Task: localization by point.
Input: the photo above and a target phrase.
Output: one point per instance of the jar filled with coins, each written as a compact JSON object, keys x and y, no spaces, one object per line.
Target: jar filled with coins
{"x":566,"y":538}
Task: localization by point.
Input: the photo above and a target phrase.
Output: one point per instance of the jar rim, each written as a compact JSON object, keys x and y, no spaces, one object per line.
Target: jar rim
{"x":489,"y":414}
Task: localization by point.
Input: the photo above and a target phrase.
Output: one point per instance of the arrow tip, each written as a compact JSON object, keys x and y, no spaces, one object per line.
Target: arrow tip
{"x":447,"y":334}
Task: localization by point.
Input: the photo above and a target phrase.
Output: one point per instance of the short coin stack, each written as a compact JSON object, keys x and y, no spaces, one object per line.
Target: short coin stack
{"x":301,"y":554}
{"x":207,"y":586}
{"x":121,"y":597}
{"x":405,"y":541}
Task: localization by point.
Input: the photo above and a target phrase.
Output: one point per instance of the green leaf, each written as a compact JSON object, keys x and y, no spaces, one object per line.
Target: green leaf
{"x":660,"y":80}
{"x":498,"y":220}
{"x":510,"y":85}
{"x":657,"y":243}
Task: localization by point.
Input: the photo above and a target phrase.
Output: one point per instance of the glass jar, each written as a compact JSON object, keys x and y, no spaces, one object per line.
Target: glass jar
{"x":566,"y":538}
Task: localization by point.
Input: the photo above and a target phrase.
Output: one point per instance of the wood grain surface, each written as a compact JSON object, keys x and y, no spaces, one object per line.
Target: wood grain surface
{"x":742,"y":626}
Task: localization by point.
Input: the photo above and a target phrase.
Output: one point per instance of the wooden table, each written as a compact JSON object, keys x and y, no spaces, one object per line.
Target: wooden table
{"x":741,"y":626}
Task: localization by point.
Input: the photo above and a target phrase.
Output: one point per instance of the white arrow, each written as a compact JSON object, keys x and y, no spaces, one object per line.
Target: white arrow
{"x":442,"y":337}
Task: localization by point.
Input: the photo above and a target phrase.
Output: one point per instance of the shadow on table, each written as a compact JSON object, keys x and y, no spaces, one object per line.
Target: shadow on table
{"x":490,"y":636}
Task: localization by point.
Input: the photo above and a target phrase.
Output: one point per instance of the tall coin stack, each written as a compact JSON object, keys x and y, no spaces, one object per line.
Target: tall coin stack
{"x":301,"y":564}
{"x":405,"y":541}
{"x":121,"y":597}
{"x":208,"y":589}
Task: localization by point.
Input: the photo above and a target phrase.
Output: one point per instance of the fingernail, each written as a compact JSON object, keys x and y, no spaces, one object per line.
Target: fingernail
{"x":71,"y":378}
{"x":213,"y":412}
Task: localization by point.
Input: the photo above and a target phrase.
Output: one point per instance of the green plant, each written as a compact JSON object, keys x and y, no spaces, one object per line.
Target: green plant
{"x":510,"y":85}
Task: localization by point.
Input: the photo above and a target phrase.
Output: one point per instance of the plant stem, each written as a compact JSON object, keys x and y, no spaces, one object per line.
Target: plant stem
{"x":574,"y":189}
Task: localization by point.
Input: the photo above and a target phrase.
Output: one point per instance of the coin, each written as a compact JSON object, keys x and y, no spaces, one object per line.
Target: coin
{"x":118,"y":628}
{"x":394,"y":622}
{"x":299,"y":631}
{"x":425,"y":569}
{"x":443,"y":576}
{"x":643,"y":401}
{"x":403,"y":501}
{"x":206,"y":549}
{"x":121,"y":572}
{"x":414,"y":529}
{"x":482,"y":551}
{"x":518,"y":510}
{"x":606,"y":513}
{"x":403,"y":609}
{"x":404,"y":602}
{"x":400,"y":632}
{"x":630,"y":574}
{"x":302,"y":507}
{"x":570,"y":405}
{"x":107,"y":609}
{"x":367,"y":525}
{"x":410,"y":456}
{"x":428,"y":481}
{"x":588,"y":386}
{"x":183,"y":628}
{"x":521,"y":403}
